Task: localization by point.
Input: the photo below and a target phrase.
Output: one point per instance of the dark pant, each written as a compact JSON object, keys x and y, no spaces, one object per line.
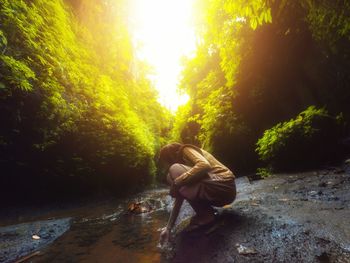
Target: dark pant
{"x":205,"y":193}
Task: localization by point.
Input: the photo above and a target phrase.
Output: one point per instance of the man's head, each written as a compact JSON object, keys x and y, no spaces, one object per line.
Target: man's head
{"x":169,"y":153}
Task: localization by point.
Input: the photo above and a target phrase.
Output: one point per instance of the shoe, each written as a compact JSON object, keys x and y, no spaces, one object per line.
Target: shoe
{"x":196,"y":226}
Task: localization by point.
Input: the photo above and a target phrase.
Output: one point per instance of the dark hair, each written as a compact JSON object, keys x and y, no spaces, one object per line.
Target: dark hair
{"x":170,"y":153}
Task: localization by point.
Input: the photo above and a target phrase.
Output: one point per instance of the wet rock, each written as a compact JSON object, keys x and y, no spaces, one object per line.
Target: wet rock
{"x":339,"y":171}
{"x":139,"y":208}
{"x":243,"y":250}
{"x":347,"y":166}
{"x":254,"y":177}
{"x":312,"y":193}
{"x":323,"y":258}
{"x":322,"y":184}
{"x":145,"y":206}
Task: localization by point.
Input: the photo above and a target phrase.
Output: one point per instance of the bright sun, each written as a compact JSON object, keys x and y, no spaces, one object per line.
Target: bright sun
{"x":162,"y":32}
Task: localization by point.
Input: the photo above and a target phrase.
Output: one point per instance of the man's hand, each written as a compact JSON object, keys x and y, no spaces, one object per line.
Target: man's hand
{"x":164,"y":236}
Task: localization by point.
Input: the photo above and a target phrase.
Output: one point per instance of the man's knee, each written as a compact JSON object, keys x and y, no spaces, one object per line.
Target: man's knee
{"x":176,"y":170}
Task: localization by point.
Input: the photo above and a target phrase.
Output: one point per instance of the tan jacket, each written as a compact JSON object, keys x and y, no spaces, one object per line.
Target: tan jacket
{"x":201,"y":164}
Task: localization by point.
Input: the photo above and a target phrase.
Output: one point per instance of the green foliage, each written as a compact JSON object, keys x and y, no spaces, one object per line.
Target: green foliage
{"x":330,"y":22}
{"x":224,"y":22}
{"x":77,"y":105}
{"x":305,"y":140}
{"x":16,"y":73}
{"x":264,"y":172}
{"x":257,"y":64}
{"x":209,"y":78}
{"x":3,"y":42}
{"x":182,"y":118}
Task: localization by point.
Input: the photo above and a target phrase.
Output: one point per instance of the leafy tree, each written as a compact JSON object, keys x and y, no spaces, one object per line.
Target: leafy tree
{"x":259,"y":63}
{"x":78,"y":112}
{"x":310,"y":138}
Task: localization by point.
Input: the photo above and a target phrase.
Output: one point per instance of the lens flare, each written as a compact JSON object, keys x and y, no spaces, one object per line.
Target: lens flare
{"x":163,"y":32}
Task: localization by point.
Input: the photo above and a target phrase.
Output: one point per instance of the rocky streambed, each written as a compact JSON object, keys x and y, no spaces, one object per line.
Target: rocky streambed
{"x":299,"y":217}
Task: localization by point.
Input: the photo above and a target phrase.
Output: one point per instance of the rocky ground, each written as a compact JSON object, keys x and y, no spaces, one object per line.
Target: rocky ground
{"x":286,"y":218}
{"x":300,"y":217}
{"x":19,"y":240}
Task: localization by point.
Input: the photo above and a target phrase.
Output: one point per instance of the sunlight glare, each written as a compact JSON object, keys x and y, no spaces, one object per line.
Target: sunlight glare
{"x":162,"y":33}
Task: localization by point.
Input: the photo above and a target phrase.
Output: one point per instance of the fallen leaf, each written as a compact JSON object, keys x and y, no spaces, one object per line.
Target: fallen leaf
{"x":243,"y":250}
{"x":35,"y":237}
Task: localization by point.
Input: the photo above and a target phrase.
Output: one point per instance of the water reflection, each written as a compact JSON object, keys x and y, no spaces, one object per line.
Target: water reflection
{"x":116,"y":236}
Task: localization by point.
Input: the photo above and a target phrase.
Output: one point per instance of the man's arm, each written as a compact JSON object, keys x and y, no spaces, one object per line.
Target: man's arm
{"x":174,"y":212}
{"x":200,"y":165}
{"x":165,"y":234}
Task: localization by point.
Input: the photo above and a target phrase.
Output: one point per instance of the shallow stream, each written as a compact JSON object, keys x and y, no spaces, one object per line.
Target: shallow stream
{"x":106,"y":232}
{"x":284,"y":218}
